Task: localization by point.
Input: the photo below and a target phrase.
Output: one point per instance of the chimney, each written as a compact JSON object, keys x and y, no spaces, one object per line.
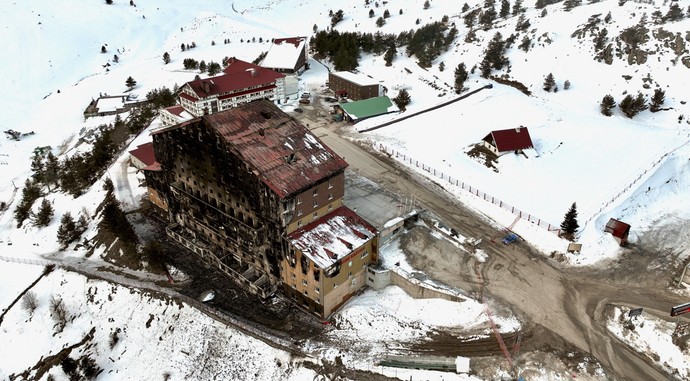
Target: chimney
{"x":517,"y":129}
{"x":253,"y":71}
{"x":206,"y":86}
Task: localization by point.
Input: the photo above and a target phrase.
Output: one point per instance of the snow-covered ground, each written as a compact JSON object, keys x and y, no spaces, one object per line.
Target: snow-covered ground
{"x":652,"y":336}
{"x":632,"y":169}
{"x":137,"y":335}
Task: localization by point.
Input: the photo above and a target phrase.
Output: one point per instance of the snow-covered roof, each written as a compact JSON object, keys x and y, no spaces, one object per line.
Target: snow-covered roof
{"x":178,"y":112}
{"x":284,"y":53}
{"x":356,"y":78}
{"x":110,"y":103}
{"x":332,"y":237}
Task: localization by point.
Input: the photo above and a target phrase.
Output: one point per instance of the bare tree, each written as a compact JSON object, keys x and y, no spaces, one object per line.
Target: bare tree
{"x":59,"y":312}
{"x":30,"y":302}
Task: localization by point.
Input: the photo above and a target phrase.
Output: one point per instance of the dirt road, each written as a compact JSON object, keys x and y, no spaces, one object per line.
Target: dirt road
{"x":570,"y":303}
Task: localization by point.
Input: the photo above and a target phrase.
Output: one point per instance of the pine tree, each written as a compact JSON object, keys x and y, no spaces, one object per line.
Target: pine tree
{"x":485,"y":68}
{"x":626,"y":106}
{"x":505,"y":9}
{"x":130,"y":82}
{"x":487,"y":18}
{"x":566,"y":85}
{"x":386,"y":14}
{"x":30,"y":193}
{"x":460,"y":77}
{"x":517,"y":7}
{"x":549,"y":82}
{"x":639,"y":103}
{"x":213,"y":68}
{"x":525,"y":43}
{"x":465,"y":7}
{"x":674,"y":13}
{"x":426,"y":4}
{"x":569,"y":225}
{"x":441,"y":66}
{"x":657,"y":100}
{"x":403,"y":99}
{"x":202,"y":66}
{"x":337,"y":17}
{"x":38,"y":167}
{"x":52,"y":170}
{"x":380,"y":22}
{"x":45,"y":214}
{"x":103,"y":49}
{"x":182,"y":47}
{"x":390,"y":55}
{"x":108,"y":1}
{"x":371,"y":14}
{"x":166,"y":58}
{"x":116,"y":59}
{"x":66,"y":231}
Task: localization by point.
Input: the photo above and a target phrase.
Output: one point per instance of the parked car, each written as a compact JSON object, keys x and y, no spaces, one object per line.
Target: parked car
{"x":306,"y":95}
{"x":330,"y":99}
{"x":297,"y":109}
{"x":510,"y":238}
{"x":304,"y":101}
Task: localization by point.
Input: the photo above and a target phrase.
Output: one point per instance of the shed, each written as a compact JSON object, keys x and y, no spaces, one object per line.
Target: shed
{"x":512,"y":139}
{"x":619,"y":230}
{"x":368,"y":108}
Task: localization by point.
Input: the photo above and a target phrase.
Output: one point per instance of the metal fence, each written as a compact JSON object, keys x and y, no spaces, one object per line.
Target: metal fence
{"x":456,"y":182}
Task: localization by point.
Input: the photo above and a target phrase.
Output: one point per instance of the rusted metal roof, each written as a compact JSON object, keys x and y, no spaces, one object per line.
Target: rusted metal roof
{"x":281,"y":151}
{"x":332,"y":237}
{"x":511,"y":139}
{"x":617,"y":228}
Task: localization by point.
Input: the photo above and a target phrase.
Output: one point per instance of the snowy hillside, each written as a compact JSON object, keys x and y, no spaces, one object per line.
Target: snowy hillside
{"x":635,"y":169}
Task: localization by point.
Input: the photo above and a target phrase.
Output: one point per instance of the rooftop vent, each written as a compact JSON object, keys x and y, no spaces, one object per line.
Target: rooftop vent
{"x":266,"y":114}
{"x":291,"y":158}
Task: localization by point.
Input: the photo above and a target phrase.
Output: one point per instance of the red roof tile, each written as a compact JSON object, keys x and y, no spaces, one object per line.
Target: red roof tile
{"x":175,"y":110}
{"x":239,"y":75}
{"x":332,"y":237}
{"x":511,"y":139}
{"x":144,"y":153}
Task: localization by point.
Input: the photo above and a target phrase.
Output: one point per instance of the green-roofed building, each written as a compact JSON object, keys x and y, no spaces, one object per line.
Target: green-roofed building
{"x":359,"y":110}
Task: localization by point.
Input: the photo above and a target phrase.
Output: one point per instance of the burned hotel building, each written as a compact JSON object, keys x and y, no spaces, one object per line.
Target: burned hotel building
{"x":254,"y":193}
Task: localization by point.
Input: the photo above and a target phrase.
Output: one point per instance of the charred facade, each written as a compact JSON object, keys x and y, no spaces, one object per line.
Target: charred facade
{"x":236,"y":185}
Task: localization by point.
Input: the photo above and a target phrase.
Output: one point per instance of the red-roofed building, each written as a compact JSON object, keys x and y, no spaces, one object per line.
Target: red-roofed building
{"x":239,"y":182}
{"x":510,"y":140}
{"x":142,"y":156}
{"x":327,"y":261}
{"x":241,"y":82}
{"x":287,"y":55}
{"x":174,"y":114}
{"x":619,"y":230}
